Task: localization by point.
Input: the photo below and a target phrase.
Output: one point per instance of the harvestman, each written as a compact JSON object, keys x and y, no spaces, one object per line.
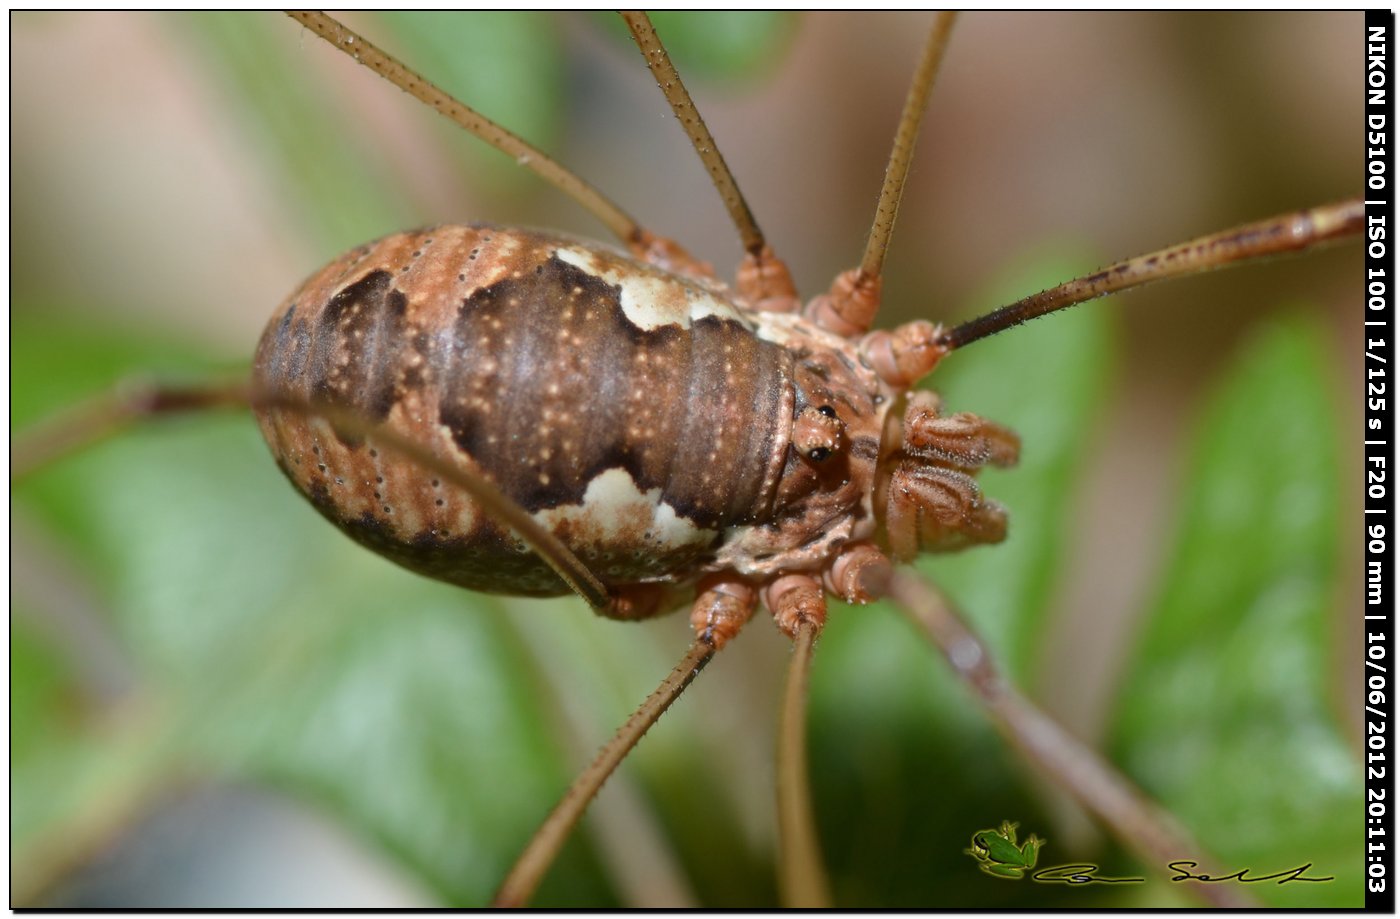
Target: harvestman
{"x":899,"y":359}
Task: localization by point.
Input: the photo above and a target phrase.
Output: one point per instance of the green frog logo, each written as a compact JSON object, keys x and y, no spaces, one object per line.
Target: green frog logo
{"x":998,"y":854}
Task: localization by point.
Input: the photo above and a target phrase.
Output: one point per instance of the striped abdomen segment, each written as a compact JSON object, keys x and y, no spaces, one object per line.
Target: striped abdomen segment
{"x":632,"y":411}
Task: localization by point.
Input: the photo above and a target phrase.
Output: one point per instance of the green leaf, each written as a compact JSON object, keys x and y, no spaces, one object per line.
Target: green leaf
{"x":1227,"y":713}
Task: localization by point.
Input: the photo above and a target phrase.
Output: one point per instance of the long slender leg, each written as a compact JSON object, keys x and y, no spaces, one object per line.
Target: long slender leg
{"x":720,"y":610}
{"x":529,"y":869}
{"x":127,"y":403}
{"x":905,"y":354}
{"x":802,"y":880}
{"x":763,"y":279}
{"x":877,"y":242}
{"x":849,"y":307}
{"x":1126,"y":811}
{"x":644,"y":34}
{"x":798,"y":604}
{"x":639,"y":240}
{"x":1285,"y":233}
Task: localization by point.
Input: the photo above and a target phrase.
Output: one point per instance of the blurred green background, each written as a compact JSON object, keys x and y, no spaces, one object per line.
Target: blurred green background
{"x":185,"y":631}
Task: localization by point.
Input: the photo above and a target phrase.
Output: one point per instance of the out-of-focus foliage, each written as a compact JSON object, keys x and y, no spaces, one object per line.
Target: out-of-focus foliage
{"x":1228,"y":714}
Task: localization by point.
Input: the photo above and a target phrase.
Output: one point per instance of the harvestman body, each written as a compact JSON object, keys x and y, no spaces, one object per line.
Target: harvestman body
{"x":526,"y":413}
{"x":661,"y":429}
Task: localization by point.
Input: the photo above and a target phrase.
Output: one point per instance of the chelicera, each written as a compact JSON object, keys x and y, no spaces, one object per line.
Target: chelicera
{"x":850,"y":444}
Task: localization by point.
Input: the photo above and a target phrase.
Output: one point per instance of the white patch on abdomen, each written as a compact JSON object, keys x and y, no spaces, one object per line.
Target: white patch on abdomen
{"x":617,"y":514}
{"x":652,"y":298}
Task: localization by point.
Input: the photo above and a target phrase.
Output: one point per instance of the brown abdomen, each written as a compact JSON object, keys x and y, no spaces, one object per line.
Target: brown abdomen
{"x":632,"y":411}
